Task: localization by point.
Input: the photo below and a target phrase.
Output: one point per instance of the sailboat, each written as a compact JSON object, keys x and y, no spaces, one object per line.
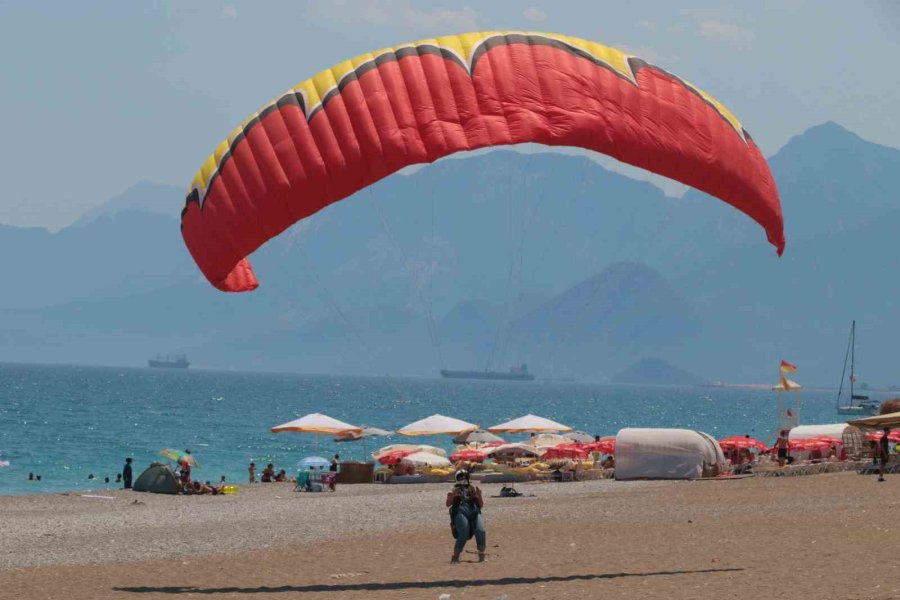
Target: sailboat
{"x":859,"y":404}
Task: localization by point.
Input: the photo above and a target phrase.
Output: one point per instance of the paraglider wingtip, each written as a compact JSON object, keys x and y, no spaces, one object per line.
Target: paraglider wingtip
{"x":240,"y":279}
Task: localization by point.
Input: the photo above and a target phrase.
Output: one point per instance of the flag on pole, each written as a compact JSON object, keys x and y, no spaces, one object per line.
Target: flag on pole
{"x":787,"y":367}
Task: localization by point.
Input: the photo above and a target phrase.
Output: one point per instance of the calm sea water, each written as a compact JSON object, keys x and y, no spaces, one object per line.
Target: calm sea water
{"x":67,"y":422}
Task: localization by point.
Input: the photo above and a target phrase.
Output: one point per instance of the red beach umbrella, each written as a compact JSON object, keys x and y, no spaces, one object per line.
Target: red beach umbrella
{"x":469,"y":456}
{"x":605,"y":445}
{"x":740,"y":442}
{"x":394,"y":457}
{"x":893,"y":436}
{"x":566,"y":451}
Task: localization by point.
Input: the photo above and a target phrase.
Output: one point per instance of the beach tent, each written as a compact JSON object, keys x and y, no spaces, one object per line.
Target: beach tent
{"x":666,"y":454}
{"x":528,"y":423}
{"x":437,"y":425}
{"x":158,"y":478}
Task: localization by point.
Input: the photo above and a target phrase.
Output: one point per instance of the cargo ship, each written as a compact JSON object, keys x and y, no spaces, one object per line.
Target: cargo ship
{"x":165,"y":362}
{"x":517,"y":373}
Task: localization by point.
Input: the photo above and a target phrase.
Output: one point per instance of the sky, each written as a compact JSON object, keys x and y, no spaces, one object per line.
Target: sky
{"x":100,"y":95}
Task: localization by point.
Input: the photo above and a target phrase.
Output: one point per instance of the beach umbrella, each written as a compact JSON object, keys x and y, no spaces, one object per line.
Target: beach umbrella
{"x":513,"y":451}
{"x":468,"y":455}
{"x":741,"y":442}
{"x":425,"y":459}
{"x":565,"y":451}
{"x":392,"y":458}
{"x":605,"y":445}
{"x":313,"y":462}
{"x":478,"y":436}
{"x":394,"y":448}
{"x":180,"y":457}
{"x":528,"y":423}
{"x":367,"y":432}
{"x":431,"y":450}
{"x":547,"y":440}
{"x":893,"y":436}
{"x":316,"y":423}
{"x":878,"y":421}
{"x":579,"y":437}
{"x":437,"y":425}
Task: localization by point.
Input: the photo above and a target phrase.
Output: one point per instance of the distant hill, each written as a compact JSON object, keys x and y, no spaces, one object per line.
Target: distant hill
{"x":491,"y":260}
{"x":656,"y":371}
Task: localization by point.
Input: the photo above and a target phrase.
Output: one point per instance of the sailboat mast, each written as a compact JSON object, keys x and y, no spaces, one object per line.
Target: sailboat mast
{"x":852,"y":357}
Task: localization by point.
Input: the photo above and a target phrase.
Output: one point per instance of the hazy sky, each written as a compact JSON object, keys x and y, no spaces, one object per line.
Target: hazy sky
{"x":99,"y":95}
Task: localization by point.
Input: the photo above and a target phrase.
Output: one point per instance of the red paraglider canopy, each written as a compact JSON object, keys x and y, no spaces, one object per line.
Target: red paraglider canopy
{"x":366,"y":118}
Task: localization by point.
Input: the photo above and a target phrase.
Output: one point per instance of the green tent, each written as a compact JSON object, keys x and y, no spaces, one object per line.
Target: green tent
{"x":158,"y":479}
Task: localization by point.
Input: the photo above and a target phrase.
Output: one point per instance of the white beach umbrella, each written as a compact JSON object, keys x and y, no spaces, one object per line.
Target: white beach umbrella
{"x":437,"y":425}
{"x":528,"y":423}
{"x":317,"y":423}
{"x":477,"y":436}
{"x":579,"y":437}
{"x":548,"y":440}
{"x":395,"y":448}
{"x":432,"y":450}
{"x":513,"y":450}
{"x":425,"y":459}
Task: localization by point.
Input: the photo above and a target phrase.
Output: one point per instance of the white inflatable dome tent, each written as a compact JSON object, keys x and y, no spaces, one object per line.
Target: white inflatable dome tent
{"x":851,"y":438}
{"x":666,"y":454}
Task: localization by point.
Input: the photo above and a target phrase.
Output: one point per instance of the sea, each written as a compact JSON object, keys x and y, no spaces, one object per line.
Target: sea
{"x":65,"y":423}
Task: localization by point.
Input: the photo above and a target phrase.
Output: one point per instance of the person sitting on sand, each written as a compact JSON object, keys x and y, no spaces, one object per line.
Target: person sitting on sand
{"x":200,"y":489}
{"x":465,"y":503}
{"x":268,"y":474}
{"x":609,"y":462}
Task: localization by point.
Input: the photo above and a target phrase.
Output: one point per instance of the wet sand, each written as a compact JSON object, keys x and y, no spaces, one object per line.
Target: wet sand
{"x":827,"y":536}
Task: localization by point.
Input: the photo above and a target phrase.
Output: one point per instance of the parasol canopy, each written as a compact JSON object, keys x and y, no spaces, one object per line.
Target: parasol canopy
{"x":579,"y":437}
{"x":425,"y":459}
{"x":565,"y":451}
{"x":893,"y":436}
{"x":741,"y":442}
{"x":605,"y":445}
{"x":317,"y":423}
{"x":513,"y":451}
{"x":313,"y":462}
{"x":478,"y":436}
{"x":468,"y":456}
{"x":365,"y":432}
{"x":527,"y":424}
{"x":180,"y":457}
{"x":437,"y":425}
{"x":878,"y":421}
{"x":547,"y":440}
{"x":408,"y":448}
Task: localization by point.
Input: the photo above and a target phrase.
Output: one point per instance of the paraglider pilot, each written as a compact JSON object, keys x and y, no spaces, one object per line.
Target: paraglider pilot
{"x":465,"y":503}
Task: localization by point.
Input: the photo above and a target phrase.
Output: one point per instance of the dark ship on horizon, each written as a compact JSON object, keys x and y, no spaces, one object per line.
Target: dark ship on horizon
{"x":166,"y":362}
{"x":515,"y":373}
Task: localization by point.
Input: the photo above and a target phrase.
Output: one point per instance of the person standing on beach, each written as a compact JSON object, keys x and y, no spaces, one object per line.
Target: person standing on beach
{"x":782,"y":445}
{"x":126,"y":473}
{"x":334,"y":463}
{"x":884,"y":446}
{"x":252,"y":471}
{"x":465,"y":503}
{"x":185,"y":465}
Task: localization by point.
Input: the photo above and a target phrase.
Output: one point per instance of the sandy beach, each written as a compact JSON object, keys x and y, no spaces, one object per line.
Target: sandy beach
{"x":827,"y":536}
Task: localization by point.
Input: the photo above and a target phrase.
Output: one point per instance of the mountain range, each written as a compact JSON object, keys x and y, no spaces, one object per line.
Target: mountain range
{"x":487,"y":260}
